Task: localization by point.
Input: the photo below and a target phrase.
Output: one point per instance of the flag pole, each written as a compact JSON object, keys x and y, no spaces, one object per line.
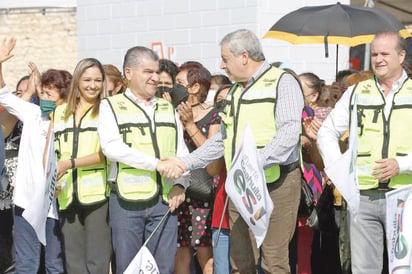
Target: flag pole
{"x":157,"y":227}
{"x":221,"y":221}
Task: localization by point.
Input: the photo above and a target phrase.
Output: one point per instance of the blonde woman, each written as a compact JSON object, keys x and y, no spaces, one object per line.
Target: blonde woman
{"x":81,"y":171}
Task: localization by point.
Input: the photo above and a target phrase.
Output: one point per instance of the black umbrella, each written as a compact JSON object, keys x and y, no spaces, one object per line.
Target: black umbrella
{"x":335,"y":24}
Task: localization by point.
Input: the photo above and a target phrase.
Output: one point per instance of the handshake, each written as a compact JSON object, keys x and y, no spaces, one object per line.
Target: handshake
{"x":171,"y":167}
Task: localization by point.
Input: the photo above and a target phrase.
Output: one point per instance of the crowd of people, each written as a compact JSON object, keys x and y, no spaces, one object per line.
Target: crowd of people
{"x":130,"y":148}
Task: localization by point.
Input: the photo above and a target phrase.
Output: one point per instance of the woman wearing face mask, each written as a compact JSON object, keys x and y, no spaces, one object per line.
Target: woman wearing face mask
{"x":200,"y":122}
{"x":30,"y":174}
{"x":81,"y":173}
{"x":216,"y":84}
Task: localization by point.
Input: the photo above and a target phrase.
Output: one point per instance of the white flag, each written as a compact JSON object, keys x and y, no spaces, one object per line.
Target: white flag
{"x":343,"y":171}
{"x":142,"y":263}
{"x":399,"y":230}
{"x":246,"y":187}
{"x":43,"y":195}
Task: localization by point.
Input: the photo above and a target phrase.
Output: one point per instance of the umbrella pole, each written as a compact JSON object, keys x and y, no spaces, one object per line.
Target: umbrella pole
{"x":337,"y":58}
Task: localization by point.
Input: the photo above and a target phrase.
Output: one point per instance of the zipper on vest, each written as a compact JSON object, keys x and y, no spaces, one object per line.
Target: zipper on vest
{"x":375,"y":116}
{"x":142,"y":131}
{"x":385,"y":140}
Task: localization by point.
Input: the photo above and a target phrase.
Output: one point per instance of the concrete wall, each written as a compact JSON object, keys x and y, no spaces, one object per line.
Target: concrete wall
{"x":183,"y":30}
{"x":46,"y":36}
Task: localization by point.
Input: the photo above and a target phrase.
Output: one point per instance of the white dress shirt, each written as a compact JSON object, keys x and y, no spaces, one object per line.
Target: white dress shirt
{"x":337,"y":123}
{"x":117,"y":151}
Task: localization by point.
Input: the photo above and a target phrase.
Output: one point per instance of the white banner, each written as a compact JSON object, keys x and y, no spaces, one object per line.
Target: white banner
{"x":43,"y":195}
{"x":246,"y":187}
{"x":142,"y":263}
{"x":399,"y":230}
{"x":343,"y":171}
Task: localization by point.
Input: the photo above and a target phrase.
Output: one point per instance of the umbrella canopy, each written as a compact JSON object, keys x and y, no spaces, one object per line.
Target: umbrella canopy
{"x":336,"y":24}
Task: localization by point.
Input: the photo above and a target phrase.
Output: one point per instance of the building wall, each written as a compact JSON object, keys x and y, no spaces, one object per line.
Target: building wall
{"x":45,"y":36}
{"x":179,"y":30}
{"x":183,"y":30}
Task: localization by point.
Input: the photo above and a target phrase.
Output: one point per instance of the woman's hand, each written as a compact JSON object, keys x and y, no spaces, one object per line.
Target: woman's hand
{"x":6,"y":47}
{"x":167,"y":97}
{"x":34,"y":80}
{"x":186,"y":114}
{"x":62,"y":167}
{"x":312,"y":126}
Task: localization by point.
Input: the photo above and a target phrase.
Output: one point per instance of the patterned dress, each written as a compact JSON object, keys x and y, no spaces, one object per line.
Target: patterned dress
{"x":194,"y":216}
{"x":12,"y":143}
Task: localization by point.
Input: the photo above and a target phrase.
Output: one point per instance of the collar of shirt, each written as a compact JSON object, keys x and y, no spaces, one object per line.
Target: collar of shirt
{"x":144,"y":104}
{"x":265,"y":66}
{"x":397,"y":84}
{"x":395,"y":88}
{"x":148,"y":106}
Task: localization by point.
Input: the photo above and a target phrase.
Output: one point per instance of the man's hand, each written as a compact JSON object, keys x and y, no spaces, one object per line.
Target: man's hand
{"x":6,"y":47}
{"x":385,"y":169}
{"x":171,"y":167}
{"x":176,"y":197}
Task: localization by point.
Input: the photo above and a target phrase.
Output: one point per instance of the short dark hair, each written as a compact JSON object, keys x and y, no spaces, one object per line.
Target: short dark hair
{"x":197,"y":73}
{"x":169,"y":67}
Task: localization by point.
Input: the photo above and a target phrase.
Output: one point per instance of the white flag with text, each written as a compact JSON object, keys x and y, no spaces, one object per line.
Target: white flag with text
{"x":399,"y":230}
{"x":343,"y":171}
{"x":142,"y":263}
{"x":246,"y":187}
{"x":43,"y":195}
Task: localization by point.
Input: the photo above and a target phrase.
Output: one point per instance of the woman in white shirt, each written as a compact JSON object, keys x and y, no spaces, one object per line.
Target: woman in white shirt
{"x":31,"y":182}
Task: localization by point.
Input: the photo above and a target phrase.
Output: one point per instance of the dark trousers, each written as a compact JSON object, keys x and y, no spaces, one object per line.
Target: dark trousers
{"x":6,"y":241}
{"x":86,"y":239}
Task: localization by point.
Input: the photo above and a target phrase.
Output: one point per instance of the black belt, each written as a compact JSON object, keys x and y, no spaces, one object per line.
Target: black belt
{"x":285,"y":169}
{"x":384,"y":186}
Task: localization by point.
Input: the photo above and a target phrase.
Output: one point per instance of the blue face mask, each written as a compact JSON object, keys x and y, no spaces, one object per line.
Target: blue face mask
{"x":47,"y":106}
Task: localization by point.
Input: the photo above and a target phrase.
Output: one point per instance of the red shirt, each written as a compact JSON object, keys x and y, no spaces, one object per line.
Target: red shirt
{"x":219,"y":203}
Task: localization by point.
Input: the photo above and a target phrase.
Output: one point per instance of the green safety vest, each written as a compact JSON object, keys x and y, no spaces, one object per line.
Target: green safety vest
{"x":377,"y":138}
{"x":255,"y":106}
{"x":136,"y":130}
{"x":88,"y":184}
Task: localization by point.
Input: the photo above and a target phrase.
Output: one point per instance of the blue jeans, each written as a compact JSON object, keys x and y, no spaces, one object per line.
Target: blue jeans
{"x":221,"y":252}
{"x":28,"y":246}
{"x":367,"y":234}
{"x":133,"y":222}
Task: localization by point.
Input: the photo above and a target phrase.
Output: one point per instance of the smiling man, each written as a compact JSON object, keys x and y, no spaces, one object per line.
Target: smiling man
{"x":384,"y":159}
{"x":270,"y":100}
{"x":135,"y":130}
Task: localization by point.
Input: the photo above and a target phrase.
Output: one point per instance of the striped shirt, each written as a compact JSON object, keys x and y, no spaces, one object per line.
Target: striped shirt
{"x":284,"y":147}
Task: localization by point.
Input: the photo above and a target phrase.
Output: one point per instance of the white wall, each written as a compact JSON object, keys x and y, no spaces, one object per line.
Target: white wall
{"x":192,"y":29}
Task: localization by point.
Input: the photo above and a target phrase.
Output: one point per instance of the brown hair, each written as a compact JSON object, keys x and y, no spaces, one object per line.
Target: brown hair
{"x":74,"y":91}
{"x":197,"y":73}
{"x":60,"y":79}
{"x":113,"y":74}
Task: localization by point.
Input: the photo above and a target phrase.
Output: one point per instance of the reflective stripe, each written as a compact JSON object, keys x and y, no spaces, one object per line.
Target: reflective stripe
{"x":136,"y":130}
{"x":90,"y":181}
{"x":379,"y":138}
{"x":238,"y":113}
